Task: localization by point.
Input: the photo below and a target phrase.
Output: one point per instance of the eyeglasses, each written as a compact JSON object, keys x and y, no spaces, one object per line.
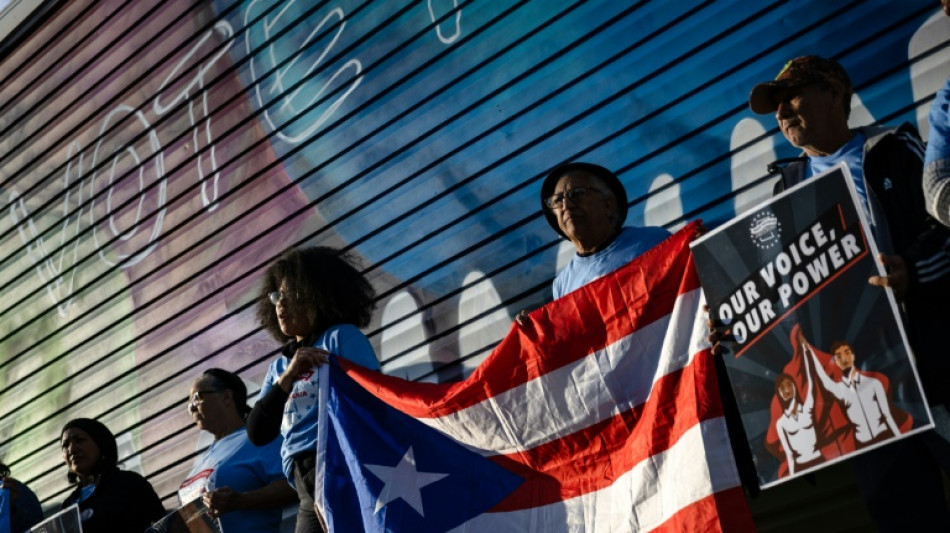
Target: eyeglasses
{"x":276,"y":296}
{"x":574,"y":195}
{"x":198,"y":397}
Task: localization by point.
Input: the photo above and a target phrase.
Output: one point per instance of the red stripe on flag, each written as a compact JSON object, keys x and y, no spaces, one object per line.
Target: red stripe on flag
{"x":597,"y":315}
{"x":595,"y":457}
{"x":725,"y":511}
{"x":601,"y":460}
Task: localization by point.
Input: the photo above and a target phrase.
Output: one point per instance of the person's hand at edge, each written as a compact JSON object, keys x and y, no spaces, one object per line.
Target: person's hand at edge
{"x":718,"y":332}
{"x":897,"y":277}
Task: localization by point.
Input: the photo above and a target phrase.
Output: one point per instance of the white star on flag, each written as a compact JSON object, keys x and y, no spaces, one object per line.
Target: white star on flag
{"x":403,"y":481}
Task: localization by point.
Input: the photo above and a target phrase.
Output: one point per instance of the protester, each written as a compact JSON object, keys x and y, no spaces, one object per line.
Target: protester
{"x":110,"y":500}
{"x":242,"y":485}
{"x":314,"y":300}
{"x":937,"y":158}
{"x":25,"y":510}
{"x":587,"y":205}
{"x":811,"y":100}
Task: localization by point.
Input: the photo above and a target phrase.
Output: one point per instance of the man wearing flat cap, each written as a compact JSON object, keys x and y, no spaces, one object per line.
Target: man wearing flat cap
{"x":811,"y":100}
{"x":587,"y":205}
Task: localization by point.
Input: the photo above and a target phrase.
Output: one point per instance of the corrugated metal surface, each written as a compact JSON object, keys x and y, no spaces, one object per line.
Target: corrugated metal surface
{"x":155,"y":156}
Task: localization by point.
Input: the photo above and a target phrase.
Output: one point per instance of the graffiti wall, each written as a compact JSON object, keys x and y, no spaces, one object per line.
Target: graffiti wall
{"x":156,"y":156}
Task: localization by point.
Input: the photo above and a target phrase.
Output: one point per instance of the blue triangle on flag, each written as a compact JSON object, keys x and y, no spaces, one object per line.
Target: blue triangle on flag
{"x":386,"y":471}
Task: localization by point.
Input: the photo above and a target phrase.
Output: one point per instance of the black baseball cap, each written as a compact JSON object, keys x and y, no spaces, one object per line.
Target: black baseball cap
{"x":796,"y":73}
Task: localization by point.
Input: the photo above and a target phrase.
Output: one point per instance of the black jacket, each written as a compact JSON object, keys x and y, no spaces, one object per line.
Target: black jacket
{"x":123,"y":502}
{"x":893,"y":169}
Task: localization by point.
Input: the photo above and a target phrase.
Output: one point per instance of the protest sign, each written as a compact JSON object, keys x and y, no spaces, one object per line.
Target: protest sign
{"x":192,"y":517}
{"x":65,"y":521}
{"x":817,"y":358}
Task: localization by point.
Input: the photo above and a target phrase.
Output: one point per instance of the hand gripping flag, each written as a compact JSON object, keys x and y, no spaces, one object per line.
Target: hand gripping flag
{"x":602,"y":415}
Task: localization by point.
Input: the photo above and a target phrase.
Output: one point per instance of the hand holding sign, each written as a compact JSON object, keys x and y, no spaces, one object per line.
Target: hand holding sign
{"x":897,"y":277}
{"x":804,"y":260}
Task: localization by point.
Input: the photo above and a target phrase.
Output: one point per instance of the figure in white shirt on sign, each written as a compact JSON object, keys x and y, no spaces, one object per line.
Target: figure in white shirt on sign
{"x":796,"y":426}
{"x":862,"y":396}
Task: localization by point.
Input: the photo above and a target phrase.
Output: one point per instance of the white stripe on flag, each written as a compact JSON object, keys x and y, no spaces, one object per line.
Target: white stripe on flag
{"x":578,"y":395}
{"x":697,"y":466}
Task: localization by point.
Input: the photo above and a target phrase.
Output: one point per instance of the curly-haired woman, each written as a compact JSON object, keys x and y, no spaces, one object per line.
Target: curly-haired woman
{"x":314,"y":300}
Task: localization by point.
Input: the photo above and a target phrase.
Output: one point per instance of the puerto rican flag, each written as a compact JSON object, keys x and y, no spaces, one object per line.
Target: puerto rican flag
{"x":602,"y":415}
{"x":4,"y":509}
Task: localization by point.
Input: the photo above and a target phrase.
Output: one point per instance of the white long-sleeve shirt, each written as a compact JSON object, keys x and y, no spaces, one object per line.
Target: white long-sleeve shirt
{"x":864,"y":401}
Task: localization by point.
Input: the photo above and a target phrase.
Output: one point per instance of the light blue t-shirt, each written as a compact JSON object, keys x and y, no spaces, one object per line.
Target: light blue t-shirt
{"x":938,"y":143}
{"x":851,"y":153}
{"x":629,"y":244}
{"x":299,"y":425}
{"x":236,"y":463}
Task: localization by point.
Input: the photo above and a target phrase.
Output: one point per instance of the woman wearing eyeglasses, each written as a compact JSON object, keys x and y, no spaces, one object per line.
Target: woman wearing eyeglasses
{"x":241,"y":484}
{"x":313,"y":300}
{"x":110,"y":500}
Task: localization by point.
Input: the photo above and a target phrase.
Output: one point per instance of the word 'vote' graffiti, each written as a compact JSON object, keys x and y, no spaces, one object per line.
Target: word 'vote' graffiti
{"x":95,"y":197}
{"x":91,"y":193}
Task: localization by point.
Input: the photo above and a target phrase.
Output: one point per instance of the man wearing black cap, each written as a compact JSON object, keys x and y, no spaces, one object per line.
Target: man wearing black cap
{"x":587,"y":205}
{"x":811,"y":100}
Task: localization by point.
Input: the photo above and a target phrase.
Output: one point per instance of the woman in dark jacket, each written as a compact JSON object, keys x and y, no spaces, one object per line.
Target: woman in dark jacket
{"x":110,"y":500}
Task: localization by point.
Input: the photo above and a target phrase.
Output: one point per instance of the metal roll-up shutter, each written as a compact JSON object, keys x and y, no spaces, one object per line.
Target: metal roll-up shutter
{"x":156,"y":156}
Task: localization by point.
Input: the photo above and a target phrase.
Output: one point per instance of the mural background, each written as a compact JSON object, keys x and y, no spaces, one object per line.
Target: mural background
{"x":156,"y":156}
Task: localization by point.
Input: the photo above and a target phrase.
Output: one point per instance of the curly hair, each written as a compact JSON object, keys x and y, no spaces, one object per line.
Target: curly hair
{"x":328,"y":286}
